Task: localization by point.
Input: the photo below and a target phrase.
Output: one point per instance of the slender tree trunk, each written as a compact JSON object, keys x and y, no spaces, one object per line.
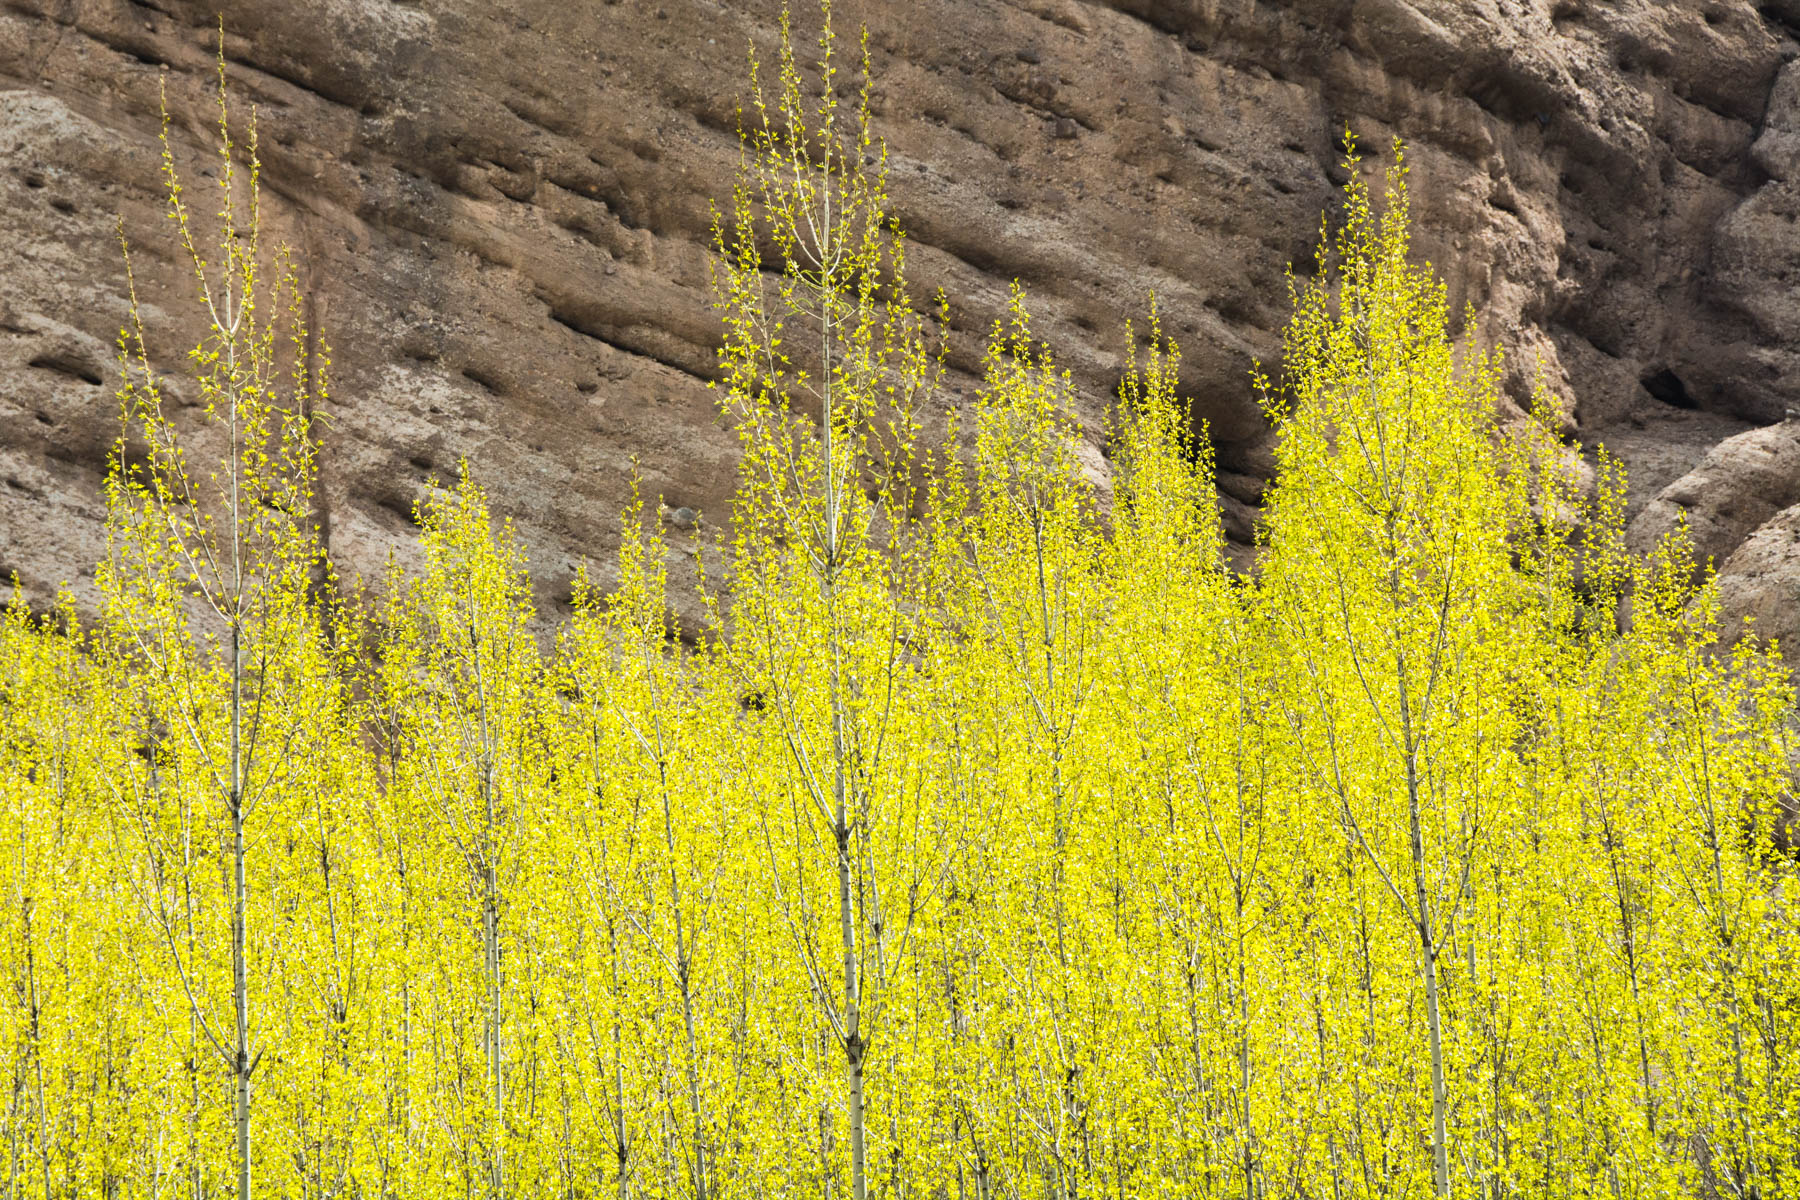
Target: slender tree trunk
{"x":14,"y":1153}
{"x":853,"y":1039}
{"x":841,"y":830}
{"x":693,"y":1081}
{"x":37,"y":1049}
{"x":1628,"y":931}
{"x":490,"y":913}
{"x":240,"y":977}
{"x":1440,"y":1150}
{"x":1244,"y":1054}
{"x":240,"y":1006}
{"x":1051,"y":719}
{"x":196,"y":1188}
{"x":841,"y":833}
{"x":621,"y":1141}
{"x":854,"y":1044}
{"x":1428,"y":950}
{"x":406,"y":1014}
{"x":490,"y":928}
{"x":683,"y":958}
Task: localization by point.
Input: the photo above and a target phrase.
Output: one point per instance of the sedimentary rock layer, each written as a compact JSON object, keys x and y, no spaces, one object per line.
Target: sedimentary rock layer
{"x":502,"y":212}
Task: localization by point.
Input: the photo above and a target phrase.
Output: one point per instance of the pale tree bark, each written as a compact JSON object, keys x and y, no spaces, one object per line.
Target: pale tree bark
{"x":1412,"y":743}
{"x":490,"y":929}
{"x":684,"y":965}
{"x":851,"y":1035}
{"x":621,"y":1137}
{"x":242,"y":1064}
{"x":483,"y":850}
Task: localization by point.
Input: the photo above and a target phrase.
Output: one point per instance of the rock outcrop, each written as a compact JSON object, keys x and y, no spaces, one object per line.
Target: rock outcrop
{"x":503,"y":211}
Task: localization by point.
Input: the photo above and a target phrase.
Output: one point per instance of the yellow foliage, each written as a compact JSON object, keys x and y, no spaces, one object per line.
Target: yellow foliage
{"x":993,"y":839}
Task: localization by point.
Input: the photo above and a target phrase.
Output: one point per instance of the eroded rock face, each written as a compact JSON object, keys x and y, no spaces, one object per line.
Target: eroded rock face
{"x":1737,"y":489}
{"x":503,"y":212}
{"x":1757,"y":582}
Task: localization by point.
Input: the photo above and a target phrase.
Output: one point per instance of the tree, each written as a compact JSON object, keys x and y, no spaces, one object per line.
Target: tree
{"x":1390,"y":571}
{"x":463,"y":666}
{"x":210,"y":610}
{"x":1196,"y":686}
{"x":812,"y":285}
{"x":58,"y":1033}
{"x":1027,"y":601}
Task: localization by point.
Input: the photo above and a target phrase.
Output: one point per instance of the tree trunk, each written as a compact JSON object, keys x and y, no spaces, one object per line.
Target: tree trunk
{"x":621,"y":1138}
{"x":853,"y":1039}
{"x":1428,"y":950}
{"x":1244,"y":1051}
{"x":240,"y":976}
{"x":683,"y":959}
{"x":496,"y":1076}
{"x":841,"y":831}
{"x":240,"y":997}
{"x":693,"y":1082}
{"x":1440,"y":1150}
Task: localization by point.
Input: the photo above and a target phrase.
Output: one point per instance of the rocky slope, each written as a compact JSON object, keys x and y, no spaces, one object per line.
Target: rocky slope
{"x":503,"y":209}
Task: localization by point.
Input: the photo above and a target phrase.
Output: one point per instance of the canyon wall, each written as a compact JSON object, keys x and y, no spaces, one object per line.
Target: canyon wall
{"x":502,"y":212}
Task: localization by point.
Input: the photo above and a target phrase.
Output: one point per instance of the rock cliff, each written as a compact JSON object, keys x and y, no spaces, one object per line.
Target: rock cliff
{"x":502,"y":207}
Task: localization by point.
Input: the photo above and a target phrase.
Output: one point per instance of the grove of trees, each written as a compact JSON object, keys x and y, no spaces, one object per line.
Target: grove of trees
{"x":994,"y":838}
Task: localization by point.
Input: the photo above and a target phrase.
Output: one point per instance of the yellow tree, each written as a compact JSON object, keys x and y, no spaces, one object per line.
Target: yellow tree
{"x":664,"y":716}
{"x":1390,"y":573}
{"x":1026,"y":604}
{"x":1589,"y":853}
{"x":462,"y":666}
{"x":67,"y":1021}
{"x":35,"y":765}
{"x":824,"y":365}
{"x":642,"y":850}
{"x":1193,"y":688}
{"x":597,"y":847}
{"x":209,"y":609}
{"x":1721,"y":761}
{"x":330,"y":946}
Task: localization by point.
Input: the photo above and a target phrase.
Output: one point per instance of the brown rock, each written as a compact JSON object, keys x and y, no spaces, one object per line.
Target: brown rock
{"x":1740,"y":485}
{"x":1777,"y":148}
{"x":1759,"y":585}
{"x":504,"y":211}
